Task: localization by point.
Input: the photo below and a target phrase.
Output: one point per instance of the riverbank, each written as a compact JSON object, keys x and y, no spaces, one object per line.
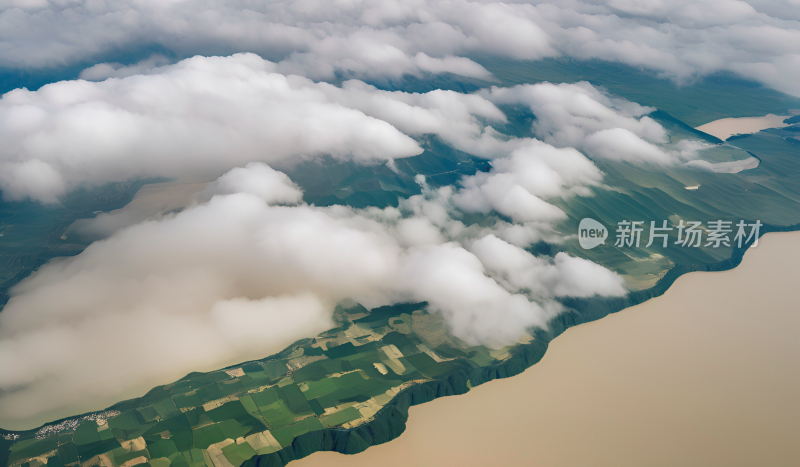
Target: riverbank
{"x":703,"y":375}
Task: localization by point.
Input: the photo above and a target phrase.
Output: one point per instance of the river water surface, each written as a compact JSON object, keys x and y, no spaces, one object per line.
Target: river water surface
{"x":706,"y":375}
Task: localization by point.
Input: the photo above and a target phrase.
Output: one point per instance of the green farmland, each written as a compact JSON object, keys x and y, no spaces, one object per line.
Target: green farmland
{"x":340,"y":379}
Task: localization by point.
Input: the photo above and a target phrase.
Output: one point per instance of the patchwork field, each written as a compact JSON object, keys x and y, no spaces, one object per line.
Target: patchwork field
{"x":228,"y":416}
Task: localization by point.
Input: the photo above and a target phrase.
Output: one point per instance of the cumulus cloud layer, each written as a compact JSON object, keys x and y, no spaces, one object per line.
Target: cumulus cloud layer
{"x":204,"y":116}
{"x":581,"y":116}
{"x":103,"y":71}
{"x":250,"y":268}
{"x":387,"y":38}
{"x":517,"y":185}
{"x":199,"y":117}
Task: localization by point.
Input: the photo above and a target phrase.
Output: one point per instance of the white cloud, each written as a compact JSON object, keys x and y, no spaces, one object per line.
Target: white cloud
{"x":518,"y":184}
{"x":386,"y":39}
{"x":476,"y":308}
{"x":621,"y":144}
{"x":152,"y":297}
{"x":448,"y":114}
{"x":519,"y":270}
{"x":258,"y":179}
{"x":247,"y":324}
{"x":239,"y":276}
{"x":601,"y":125}
{"x":37,"y":179}
{"x":204,"y":116}
{"x":103,"y":71}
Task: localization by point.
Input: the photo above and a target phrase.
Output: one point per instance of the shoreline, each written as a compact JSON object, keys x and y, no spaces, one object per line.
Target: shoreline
{"x":390,"y":422}
{"x":685,"y":379}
